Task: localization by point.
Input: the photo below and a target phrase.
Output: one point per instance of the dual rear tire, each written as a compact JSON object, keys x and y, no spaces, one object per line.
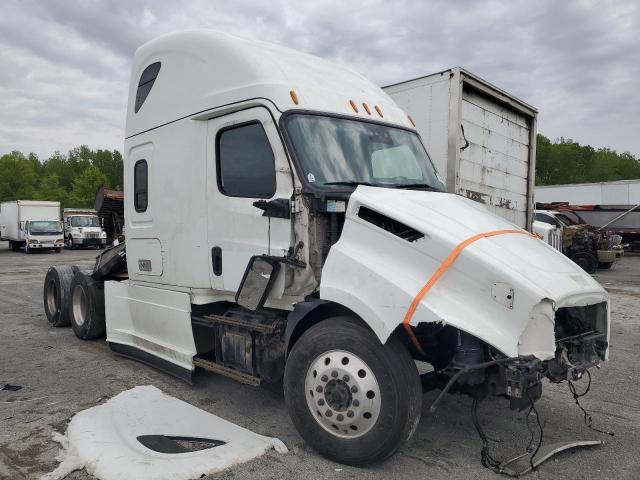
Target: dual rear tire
{"x":351,"y":398}
{"x":86,"y":311}
{"x":57,"y":287}
{"x":72,"y":297}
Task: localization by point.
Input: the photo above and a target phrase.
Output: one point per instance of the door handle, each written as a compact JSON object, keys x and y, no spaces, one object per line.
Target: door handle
{"x":216,"y":261}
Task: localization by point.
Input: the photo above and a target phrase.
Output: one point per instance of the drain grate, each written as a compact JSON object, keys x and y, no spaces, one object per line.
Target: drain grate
{"x":176,"y":444}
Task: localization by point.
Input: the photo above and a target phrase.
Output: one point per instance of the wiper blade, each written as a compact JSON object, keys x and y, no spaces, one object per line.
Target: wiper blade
{"x":414,"y":185}
{"x":355,"y":183}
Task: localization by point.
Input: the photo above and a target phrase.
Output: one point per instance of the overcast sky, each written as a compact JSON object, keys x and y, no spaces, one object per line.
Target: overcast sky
{"x":64,"y":65}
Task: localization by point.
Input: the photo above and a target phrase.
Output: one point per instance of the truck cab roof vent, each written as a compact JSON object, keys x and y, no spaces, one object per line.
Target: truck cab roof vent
{"x":389,"y":224}
{"x":147,"y":80}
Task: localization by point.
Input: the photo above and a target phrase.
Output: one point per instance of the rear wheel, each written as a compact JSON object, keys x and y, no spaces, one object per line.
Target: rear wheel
{"x":87,"y":306}
{"x":57,"y":285}
{"x":15,"y":246}
{"x":351,"y":398}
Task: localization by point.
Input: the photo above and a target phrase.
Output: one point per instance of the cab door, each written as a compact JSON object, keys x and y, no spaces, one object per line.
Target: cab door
{"x":248,"y":172}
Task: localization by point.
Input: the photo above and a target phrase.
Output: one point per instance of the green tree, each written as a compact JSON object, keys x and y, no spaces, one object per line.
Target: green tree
{"x":50,"y":189}
{"x":85,"y":186}
{"x":17,"y":177}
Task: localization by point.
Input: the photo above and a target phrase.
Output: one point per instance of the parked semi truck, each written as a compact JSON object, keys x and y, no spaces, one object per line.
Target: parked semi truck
{"x":481,"y":139}
{"x":32,"y":224}
{"x":82,"y":228}
{"x":285,"y":221}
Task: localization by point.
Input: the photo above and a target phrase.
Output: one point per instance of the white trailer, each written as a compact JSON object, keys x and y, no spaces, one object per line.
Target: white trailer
{"x":284,"y":222}
{"x":618,"y":193}
{"x":33,"y":224}
{"x":481,"y":139}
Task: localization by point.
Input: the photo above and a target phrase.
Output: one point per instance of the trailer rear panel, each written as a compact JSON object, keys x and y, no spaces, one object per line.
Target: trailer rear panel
{"x":481,"y":139}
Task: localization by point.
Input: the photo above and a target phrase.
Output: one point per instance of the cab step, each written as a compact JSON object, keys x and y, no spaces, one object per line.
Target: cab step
{"x":227,"y":372}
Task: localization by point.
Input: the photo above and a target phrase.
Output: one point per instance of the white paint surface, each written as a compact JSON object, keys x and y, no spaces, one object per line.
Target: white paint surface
{"x":623,"y":192}
{"x":389,"y":271}
{"x":102,"y":440}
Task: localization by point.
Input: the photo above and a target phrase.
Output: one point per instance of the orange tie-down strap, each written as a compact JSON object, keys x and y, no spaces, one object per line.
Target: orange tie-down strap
{"x":440,"y":271}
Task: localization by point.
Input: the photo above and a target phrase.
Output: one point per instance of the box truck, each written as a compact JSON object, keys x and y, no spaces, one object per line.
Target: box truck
{"x":82,"y":228}
{"x":285,"y":222}
{"x":32,"y":224}
{"x":481,"y":139}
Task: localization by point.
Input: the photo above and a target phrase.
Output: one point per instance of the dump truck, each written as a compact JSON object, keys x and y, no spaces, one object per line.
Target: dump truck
{"x":481,"y":138}
{"x":32,"y":224}
{"x":286,"y":223}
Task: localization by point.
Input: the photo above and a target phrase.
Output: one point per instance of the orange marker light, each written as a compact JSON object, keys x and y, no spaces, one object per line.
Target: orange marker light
{"x":353,"y":105}
{"x":294,"y":97}
{"x":366,"y":108}
{"x":411,"y":120}
{"x":379,"y":111}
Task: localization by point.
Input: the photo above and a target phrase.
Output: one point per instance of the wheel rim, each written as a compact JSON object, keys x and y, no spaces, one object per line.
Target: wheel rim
{"x":79,"y":302}
{"x":52,"y":297}
{"x":342,"y":394}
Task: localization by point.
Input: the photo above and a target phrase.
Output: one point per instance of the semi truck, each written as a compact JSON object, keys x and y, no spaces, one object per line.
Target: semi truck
{"x":285,"y":222}
{"x":481,"y":139}
{"x":32,"y":224}
{"x":82,"y":228}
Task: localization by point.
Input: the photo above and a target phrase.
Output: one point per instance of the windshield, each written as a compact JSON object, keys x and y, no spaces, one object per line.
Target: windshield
{"x":568,"y":219}
{"x":44,"y":227}
{"x":338,"y":151}
{"x":86,"y":221}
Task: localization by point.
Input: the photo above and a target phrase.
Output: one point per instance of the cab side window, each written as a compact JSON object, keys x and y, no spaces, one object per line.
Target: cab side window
{"x":245,"y":162}
{"x":140,"y":186}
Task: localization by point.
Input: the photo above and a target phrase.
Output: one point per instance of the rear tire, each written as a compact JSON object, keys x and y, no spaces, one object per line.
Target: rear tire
{"x":87,"y":306}
{"x":355,"y":417}
{"x":57,"y":285}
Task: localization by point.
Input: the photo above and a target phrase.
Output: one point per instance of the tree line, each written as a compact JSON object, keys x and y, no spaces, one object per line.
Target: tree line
{"x":74,"y":178}
{"x":71,"y":179}
{"x":565,"y":161}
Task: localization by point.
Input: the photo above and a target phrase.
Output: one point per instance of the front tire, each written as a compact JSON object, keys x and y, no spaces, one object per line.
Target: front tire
{"x":605,"y":265}
{"x":587,"y":261}
{"x":87,"y":306}
{"x":351,"y":398}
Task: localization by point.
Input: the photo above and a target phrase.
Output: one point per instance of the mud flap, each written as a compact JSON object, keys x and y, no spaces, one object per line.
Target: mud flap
{"x":521,"y":465}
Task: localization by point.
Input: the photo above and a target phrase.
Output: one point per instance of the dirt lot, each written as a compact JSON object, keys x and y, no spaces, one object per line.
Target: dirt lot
{"x":62,"y":375}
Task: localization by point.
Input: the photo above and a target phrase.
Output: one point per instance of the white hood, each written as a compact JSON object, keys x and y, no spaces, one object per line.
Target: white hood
{"x":377,"y":274}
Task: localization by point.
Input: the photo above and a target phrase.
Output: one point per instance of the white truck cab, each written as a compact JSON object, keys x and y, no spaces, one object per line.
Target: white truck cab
{"x":284,"y":218}
{"x":82,"y":228}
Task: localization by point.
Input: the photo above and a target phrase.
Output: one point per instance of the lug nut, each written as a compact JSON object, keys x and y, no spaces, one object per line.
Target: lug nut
{"x":319,"y":388}
{"x":350,"y":414}
{"x":356,"y":403}
{"x":321,"y":402}
{"x":324,"y":378}
{"x":346,"y":378}
{"x":354,"y":389}
{"x":328,"y":413}
{"x":334,"y":374}
{"x":340,"y":417}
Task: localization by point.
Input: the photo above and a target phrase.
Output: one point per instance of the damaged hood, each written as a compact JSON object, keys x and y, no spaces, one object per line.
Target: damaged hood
{"x":503,"y":289}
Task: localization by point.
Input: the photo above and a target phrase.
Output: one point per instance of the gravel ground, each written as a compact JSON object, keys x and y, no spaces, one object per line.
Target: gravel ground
{"x":61,"y":375}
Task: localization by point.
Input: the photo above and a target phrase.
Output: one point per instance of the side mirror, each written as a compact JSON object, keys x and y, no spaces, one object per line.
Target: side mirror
{"x":257,"y":282}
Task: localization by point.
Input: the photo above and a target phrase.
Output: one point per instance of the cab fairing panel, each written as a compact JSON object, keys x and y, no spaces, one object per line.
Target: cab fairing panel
{"x":204,"y":69}
{"x":389,"y":271}
{"x":154,"y":320}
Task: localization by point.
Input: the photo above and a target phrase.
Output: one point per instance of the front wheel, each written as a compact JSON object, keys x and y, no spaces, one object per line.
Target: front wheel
{"x":605,"y":265}
{"x":351,"y":398}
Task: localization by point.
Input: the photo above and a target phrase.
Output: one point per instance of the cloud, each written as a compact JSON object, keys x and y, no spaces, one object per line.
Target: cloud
{"x":64,"y":65}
